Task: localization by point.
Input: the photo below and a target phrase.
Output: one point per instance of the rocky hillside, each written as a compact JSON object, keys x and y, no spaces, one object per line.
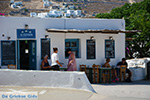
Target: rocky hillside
{"x":103,"y":6}
{"x":88,"y":6}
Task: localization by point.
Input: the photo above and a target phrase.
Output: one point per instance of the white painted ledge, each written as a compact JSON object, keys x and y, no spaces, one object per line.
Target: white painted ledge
{"x":56,"y":79}
{"x":137,"y":74}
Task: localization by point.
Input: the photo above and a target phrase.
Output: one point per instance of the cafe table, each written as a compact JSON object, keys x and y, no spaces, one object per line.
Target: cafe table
{"x":101,"y":69}
{"x":62,"y":68}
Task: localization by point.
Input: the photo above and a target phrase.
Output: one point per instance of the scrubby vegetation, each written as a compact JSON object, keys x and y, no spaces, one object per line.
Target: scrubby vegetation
{"x":137,"y":17}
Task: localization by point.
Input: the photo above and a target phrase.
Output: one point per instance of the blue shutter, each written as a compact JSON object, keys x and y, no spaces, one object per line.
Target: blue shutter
{"x":73,"y":44}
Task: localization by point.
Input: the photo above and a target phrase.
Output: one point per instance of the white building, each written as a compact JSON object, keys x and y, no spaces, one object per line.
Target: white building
{"x":70,"y":13}
{"x":12,"y":1}
{"x":46,"y":4}
{"x":55,"y":13}
{"x":73,"y":13}
{"x":78,"y":12}
{"x":13,"y":6}
{"x":42,"y":15}
{"x":67,"y":15}
{"x":71,"y":7}
{"x":64,"y":10}
{"x":33,"y":14}
{"x":51,"y":14}
{"x":16,"y":5}
{"x":25,"y":41}
{"x":54,"y":7}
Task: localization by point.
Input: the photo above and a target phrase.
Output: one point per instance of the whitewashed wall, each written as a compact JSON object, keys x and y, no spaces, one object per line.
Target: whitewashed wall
{"x":9,"y":25}
{"x":58,"y":41}
{"x":84,"y":24}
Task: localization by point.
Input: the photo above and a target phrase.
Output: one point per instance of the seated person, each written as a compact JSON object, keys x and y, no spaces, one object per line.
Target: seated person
{"x":107,"y":63}
{"x":113,"y":71}
{"x":45,"y":64}
{"x":123,"y":62}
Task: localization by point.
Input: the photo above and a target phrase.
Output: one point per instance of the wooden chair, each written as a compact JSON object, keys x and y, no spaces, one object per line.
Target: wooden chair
{"x":41,"y":66}
{"x":105,"y":76}
{"x":11,"y":66}
{"x":95,"y":73}
{"x":87,"y":72}
{"x":83,"y":68}
{"x":123,"y":72}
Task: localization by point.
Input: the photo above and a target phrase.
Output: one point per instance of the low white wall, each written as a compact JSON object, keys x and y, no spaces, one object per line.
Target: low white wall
{"x":137,"y":74}
{"x":73,"y":80}
{"x":139,"y":62}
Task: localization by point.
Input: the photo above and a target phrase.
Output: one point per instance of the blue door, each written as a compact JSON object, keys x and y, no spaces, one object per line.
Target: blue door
{"x":32,"y":55}
{"x":26,"y":54}
{"x":18,"y":54}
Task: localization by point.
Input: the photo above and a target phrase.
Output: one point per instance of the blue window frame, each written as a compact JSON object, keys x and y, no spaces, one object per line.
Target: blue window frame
{"x":73,"y":44}
{"x":91,"y":49}
{"x":45,"y":47}
{"x":8,"y":52}
{"x":109,"y":49}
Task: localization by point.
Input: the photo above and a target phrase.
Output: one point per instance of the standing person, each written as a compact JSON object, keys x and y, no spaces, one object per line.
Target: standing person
{"x":71,"y":61}
{"x":55,"y":60}
{"x":123,"y":62}
{"x":45,"y":64}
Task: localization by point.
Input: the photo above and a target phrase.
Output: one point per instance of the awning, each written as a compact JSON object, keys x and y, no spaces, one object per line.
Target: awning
{"x":130,"y":39}
{"x":91,"y":31}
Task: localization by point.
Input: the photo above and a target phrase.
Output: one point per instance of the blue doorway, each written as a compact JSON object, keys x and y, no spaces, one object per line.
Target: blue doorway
{"x":26,"y":50}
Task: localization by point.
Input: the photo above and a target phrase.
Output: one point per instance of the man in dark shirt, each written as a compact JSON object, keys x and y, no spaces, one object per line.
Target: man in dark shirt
{"x":123,"y":62}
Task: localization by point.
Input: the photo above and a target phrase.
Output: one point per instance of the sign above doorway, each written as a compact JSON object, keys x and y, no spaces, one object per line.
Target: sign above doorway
{"x":26,"y":33}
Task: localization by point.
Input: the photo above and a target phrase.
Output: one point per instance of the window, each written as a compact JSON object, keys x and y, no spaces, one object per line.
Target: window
{"x":91,"y":51}
{"x":109,"y":49}
{"x":45,"y":47}
{"x":8,"y":52}
{"x":73,"y":44}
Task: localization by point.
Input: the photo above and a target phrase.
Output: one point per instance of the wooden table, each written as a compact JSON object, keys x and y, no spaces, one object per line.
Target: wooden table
{"x":101,"y":69}
{"x":62,"y":68}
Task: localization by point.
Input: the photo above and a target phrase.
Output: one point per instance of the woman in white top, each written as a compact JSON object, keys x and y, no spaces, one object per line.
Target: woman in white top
{"x":55,"y":60}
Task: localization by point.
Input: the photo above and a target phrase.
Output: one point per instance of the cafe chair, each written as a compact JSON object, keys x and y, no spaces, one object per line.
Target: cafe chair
{"x":105,"y":75}
{"x":123,"y":72}
{"x":96,"y":73}
{"x":41,"y":66}
{"x":83,"y":68}
{"x":11,"y":66}
{"x":87,"y":72}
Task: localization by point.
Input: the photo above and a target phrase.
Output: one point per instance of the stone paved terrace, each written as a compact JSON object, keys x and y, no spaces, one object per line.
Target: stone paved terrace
{"x":138,"y":90}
